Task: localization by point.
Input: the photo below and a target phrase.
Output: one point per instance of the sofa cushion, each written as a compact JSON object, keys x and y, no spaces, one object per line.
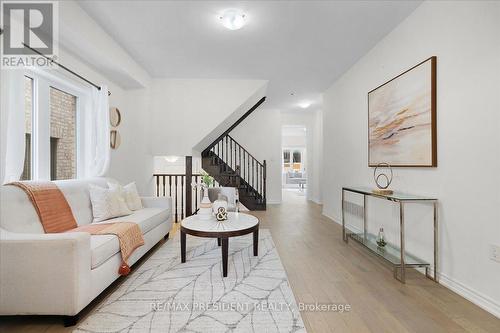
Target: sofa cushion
{"x":104,"y":247}
{"x":147,"y":218}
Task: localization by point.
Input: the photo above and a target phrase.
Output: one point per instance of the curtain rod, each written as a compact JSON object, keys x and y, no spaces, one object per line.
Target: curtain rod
{"x":65,"y":68}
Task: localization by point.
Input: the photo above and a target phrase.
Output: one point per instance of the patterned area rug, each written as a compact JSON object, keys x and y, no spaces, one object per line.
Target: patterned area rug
{"x":164,"y":295}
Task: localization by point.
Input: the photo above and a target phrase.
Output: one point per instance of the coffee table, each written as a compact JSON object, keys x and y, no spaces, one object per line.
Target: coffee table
{"x":237,"y":224}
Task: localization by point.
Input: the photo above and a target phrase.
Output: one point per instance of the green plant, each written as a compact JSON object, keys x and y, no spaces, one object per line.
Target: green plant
{"x":207,"y":179}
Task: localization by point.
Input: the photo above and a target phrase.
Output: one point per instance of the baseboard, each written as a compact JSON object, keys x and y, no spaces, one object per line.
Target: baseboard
{"x":479,"y":299}
{"x":316,"y":201}
{"x":273,"y":202}
{"x":471,"y":295}
{"x":333,"y":218}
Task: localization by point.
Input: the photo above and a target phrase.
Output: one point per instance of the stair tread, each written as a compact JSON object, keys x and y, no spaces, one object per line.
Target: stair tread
{"x":226,"y":176}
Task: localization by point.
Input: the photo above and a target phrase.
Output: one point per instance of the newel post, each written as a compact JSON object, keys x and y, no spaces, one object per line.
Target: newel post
{"x":264,"y":174}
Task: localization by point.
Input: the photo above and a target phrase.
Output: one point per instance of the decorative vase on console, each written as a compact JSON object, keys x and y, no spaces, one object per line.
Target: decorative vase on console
{"x":381,"y":242}
{"x":205,"y":210}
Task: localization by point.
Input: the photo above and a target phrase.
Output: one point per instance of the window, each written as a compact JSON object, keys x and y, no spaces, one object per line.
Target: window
{"x":296,"y":156}
{"x":52,"y":127}
{"x":293,"y":159}
{"x":28,"y":116}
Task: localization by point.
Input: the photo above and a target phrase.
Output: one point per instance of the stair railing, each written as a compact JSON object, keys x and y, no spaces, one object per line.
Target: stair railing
{"x":177,"y":187}
{"x":234,"y":160}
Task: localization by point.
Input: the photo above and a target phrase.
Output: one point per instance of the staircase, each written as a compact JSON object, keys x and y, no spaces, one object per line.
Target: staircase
{"x":232,"y":165}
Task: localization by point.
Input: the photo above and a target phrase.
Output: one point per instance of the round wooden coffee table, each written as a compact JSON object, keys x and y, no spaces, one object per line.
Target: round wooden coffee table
{"x":237,"y":224}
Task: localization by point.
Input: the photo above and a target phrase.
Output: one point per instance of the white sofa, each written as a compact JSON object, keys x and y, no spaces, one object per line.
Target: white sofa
{"x":60,"y":274}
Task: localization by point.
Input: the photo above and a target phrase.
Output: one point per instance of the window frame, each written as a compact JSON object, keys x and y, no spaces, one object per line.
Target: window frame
{"x":40,"y":122}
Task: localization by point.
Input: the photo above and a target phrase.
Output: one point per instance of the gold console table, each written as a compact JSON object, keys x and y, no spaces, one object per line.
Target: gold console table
{"x":396,"y":256}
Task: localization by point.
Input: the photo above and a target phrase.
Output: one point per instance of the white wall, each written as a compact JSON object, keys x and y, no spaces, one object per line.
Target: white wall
{"x":294,"y":139}
{"x":312,"y":121}
{"x":465,"y":38}
{"x":185,"y":112}
{"x":133,"y":160}
{"x":260,"y":134}
{"x":315,"y":193}
{"x":161,"y":165}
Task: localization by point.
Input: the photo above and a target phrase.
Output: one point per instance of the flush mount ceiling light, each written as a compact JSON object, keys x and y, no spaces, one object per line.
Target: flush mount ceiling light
{"x":304,"y":105}
{"x":233,"y":19}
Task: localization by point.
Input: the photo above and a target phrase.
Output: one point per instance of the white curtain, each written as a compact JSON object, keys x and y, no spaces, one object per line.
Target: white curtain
{"x":97,"y":127}
{"x":12,"y":136}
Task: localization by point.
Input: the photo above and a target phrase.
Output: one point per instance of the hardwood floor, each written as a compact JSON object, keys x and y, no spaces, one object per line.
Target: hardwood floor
{"x":321,"y":268}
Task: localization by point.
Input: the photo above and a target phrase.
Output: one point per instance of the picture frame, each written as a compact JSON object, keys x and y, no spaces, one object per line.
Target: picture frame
{"x":402,"y":119}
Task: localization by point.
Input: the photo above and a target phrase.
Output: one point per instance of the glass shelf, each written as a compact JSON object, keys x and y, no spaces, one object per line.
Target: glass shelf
{"x":389,"y":252}
{"x":396,"y":196}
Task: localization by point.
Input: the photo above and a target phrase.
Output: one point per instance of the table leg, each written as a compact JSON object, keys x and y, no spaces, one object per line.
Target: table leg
{"x":402,"y":239}
{"x":435,"y":241}
{"x":256,"y":242}
{"x":218,"y":241}
{"x":183,"y":246}
{"x":344,"y":238}
{"x":225,"y":246}
{"x":364,"y":219}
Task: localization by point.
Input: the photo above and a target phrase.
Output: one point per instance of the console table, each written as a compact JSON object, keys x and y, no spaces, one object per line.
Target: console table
{"x":396,"y":256}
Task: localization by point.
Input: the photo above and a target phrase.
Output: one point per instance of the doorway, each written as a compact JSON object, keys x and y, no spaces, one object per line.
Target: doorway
{"x":294,"y":160}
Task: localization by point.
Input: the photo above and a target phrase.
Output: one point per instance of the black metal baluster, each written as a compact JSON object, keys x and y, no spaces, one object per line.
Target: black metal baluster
{"x":264,"y":177}
{"x":257,"y":176}
{"x":226,"y":159}
{"x":253,"y":173}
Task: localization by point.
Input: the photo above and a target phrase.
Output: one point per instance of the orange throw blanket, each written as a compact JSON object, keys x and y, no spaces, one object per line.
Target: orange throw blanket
{"x":56,"y":216}
{"x":129,"y":235}
{"x":50,"y":204}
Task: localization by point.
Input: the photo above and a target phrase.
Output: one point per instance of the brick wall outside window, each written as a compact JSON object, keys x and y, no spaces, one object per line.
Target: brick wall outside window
{"x":62,"y":132}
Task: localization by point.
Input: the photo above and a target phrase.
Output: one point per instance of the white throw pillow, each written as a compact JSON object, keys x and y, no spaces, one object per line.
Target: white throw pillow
{"x":129,"y":194}
{"x":107,"y":203}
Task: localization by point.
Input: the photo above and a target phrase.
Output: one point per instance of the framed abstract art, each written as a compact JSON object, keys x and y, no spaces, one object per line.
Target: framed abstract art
{"x":402,"y":119}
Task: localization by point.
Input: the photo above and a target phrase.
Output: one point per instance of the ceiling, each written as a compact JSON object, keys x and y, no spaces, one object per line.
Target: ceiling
{"x":301,"y":47}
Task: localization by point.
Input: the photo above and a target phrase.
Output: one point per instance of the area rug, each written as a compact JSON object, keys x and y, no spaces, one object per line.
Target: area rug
{"x":164,"y":295}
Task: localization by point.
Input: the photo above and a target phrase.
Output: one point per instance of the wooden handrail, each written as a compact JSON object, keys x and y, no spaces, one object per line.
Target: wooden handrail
{"x":236,"y":123}
{"x":174,"y":174}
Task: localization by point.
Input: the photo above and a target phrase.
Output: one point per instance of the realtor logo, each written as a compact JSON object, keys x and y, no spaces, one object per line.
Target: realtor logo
{"x":28,"y":23}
